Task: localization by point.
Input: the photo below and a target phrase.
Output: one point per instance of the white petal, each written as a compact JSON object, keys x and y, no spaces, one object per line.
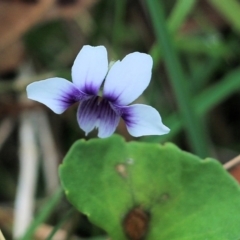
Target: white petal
{"x":94,"y":114}
{"x":56,"y":93}
{"x":143,"y":120}
{"x":90,"y":68}
{"x":127,"y":79}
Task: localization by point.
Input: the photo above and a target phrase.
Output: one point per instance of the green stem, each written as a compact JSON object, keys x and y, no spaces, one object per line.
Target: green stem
{"x":198,"y":140}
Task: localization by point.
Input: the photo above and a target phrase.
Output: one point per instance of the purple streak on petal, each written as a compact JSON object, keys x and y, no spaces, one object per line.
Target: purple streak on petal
{"x":90,"y":68}
{"x":108,"y":119}
{"x":90,"y":89}
{"x":127,"y":79}
{"x":56,"y":93}
{"x":67,"y":98}
{"x":142,"y":120}
{"x":97,"y":113}
{"x":87,"y":114}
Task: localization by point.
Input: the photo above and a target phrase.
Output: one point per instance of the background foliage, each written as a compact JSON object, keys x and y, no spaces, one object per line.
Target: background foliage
{"x":195,"y":86}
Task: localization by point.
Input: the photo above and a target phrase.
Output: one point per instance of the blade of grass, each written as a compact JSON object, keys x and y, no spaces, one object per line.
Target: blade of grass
{"x":177,"y":17}
{"x":179,"y":13}
{"x":203,"y":103}
{"x":43,"y":214}
{"x":60,"y":223}
{"x":211,"y":46}
{"x":196,"y":46}
{"x":118,"y":25}
{"x":197,"y":139}
{"x":230,"y":9}
{"x":202,"y":72}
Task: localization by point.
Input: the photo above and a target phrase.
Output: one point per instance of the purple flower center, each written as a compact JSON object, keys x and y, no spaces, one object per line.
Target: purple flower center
{"x":97,"y":112}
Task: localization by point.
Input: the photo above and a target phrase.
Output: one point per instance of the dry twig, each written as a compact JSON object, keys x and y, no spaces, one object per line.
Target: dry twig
{"x":232,"y":163}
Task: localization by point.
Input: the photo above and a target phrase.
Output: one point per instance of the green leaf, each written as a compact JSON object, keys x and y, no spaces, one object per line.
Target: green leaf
{"x":142,"y":189}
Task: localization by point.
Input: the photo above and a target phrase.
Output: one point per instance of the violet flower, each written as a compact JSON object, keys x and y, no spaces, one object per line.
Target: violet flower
{"x":123,"y":83}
